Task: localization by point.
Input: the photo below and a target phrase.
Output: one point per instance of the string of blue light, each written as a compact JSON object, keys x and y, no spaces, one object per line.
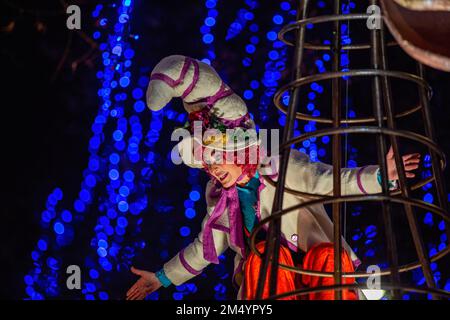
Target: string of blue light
{"x":207,"y":29}
{"x":110,"y":251}
{"x":244,"y":16}
{"x":275,"y":63}
{"x":116,"y":55}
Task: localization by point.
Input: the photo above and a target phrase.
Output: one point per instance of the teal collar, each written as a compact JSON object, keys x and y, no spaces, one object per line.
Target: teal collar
{"x":254,"y":181}
{"x":248,"y":198}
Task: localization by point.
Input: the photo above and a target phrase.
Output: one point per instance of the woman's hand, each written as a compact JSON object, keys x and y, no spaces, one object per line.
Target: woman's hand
{"x":410,"y":162}
{"x":147,"y":283}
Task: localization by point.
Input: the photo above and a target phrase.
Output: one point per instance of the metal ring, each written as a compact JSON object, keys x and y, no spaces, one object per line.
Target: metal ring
{"x":322,"y":19}
{"x":353,"y":198}
{"x":353,"y":73}
{"x":307,"y":117}
{"x":405,"y":268}
{"x":332,"y":131}
{"x":415,"y":186}
{"x":369,"y":129}
{"x":388,"y":286}
{"x":323,"y":47}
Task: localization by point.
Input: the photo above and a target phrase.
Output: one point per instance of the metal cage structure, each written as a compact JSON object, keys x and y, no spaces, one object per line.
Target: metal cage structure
{"x":383,"y":126}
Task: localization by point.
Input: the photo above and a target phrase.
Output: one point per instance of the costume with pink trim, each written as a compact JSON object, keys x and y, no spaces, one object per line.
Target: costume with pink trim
{"x":229,"y":211}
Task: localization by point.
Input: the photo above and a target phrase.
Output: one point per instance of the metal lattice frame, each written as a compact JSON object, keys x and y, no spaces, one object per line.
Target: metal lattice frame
{"x":384,"y":118}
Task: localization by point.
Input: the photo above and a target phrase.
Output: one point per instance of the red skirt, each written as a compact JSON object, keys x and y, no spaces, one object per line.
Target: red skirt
{"x":320,"y":257}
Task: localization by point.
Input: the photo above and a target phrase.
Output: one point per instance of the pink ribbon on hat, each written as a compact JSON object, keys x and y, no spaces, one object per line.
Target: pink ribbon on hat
{"x":228,"y":199}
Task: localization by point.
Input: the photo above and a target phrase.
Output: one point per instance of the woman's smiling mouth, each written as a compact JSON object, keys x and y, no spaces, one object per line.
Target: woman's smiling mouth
{"x":222,"y":176}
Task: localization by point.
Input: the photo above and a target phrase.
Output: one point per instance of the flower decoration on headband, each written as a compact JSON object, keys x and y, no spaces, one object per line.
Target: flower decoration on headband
{"x":211,"y":120}
{"x":208,"y":120}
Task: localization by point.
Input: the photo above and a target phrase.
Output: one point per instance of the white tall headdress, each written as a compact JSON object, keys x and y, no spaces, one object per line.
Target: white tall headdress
{"x":202,"y":90}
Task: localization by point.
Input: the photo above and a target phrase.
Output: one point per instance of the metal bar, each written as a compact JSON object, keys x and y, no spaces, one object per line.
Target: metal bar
{"x":336,"y":153}
{"x":429,"y":132}
{"x":408,"y":288}
{"x":361,"y":46}
{"x":354,"y":198}
{"x":384,"y":116}
{"x":391,"y":245}
{"x":274,"y":233}
{"x":354,"y":73}
{"x":403,"y":184}
{"x":406,"y":134}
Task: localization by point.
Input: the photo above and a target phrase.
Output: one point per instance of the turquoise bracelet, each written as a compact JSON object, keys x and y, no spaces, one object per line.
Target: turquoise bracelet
{"x":163,"y":278}
{"x":391,"y":183}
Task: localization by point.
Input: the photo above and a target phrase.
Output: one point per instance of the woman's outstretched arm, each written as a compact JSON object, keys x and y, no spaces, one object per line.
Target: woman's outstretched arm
{"x":185,"y":265}
{"x":317,"y":177}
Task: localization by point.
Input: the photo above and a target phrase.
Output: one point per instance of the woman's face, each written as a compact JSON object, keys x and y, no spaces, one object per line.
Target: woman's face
{"x":226,"y":173}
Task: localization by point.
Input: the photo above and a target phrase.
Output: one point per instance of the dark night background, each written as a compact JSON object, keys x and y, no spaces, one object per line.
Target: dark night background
{"x":49,"y":103}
